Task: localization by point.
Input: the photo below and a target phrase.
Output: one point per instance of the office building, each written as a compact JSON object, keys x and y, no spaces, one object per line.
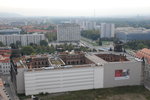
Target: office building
{"x":68,"y":33}
{"x":126,"y":34}
{"x":107,"y":30}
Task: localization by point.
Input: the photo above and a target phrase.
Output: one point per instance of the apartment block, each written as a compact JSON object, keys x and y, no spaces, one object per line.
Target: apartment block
{"x":5,"y":60}
{"x":107,"y":30}
{"x":68,"y":33}
{"x":25,"y":39}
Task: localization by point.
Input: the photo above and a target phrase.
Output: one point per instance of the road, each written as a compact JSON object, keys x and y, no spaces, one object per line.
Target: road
{"x":86,"y":42}
{"x":9,"y":87}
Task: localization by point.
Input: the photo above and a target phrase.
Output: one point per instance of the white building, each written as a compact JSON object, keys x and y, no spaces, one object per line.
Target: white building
{"x":25,"y":39}
{"x":68,"y":33}
{"x":5,"y":60}
{"x":5,"y":67}
{"x":107,"y":30}
{"x":10,"y":31}
{"x":61,"y":80}
{"x":106,"y":70}
{"x":126,"y":34}
{"x":3,"y":39}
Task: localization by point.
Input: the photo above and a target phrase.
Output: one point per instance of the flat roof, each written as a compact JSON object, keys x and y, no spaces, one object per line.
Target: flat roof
{"x":62,"y":67}
{"x":95,"y":59}
{"x":129,"y":57}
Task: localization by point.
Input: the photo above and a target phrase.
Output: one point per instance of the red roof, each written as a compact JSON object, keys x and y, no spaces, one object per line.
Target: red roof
{"x":36,"y":30}
{"x":144,"y":53}
{"x":5,"y":50}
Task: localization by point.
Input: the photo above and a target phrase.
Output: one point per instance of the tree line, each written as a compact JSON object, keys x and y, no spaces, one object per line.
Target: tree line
{"x":90,"y":34}
{"x":137,"y":44}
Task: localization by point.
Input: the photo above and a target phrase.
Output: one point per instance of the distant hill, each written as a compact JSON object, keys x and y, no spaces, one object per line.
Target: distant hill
{"x":3,"y":14}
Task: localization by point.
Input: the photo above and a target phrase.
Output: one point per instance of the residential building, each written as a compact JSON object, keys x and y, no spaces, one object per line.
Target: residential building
{"x":68,"y":33}
{"x":5,"y":54}
{"x":24,"y":39}
{"x":85,"y":24}
{"x":126,"y":34}
{"x":10,"y":31}
{"x":107,"y":30}
{"x":97,"y":70}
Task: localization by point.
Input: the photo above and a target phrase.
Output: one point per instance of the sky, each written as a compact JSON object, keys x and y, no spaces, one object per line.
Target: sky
{"x":76,"y":7}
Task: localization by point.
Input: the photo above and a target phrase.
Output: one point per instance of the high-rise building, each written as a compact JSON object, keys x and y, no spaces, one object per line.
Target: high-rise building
{"x":68,"y":33}
{"x":107,"y":30}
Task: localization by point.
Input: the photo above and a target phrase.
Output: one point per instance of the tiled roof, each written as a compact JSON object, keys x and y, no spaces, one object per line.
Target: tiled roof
{"x":144,"y":53}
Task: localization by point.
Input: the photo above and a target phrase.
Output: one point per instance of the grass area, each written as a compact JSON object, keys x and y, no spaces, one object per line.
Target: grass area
{"x":90,"y":42}
{"x":107,"y":42}
{"x":23,"y":97}
{"x":102,"y":94}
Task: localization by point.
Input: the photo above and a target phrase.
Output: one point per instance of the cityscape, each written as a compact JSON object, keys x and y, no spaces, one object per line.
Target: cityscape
{"x":74,"y":54}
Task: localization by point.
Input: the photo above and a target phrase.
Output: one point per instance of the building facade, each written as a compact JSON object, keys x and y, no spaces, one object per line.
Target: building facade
{"x":107,"y":30}
{"x":126,"y":34}
{"x":68,"y":33}
{"x":10,"y":31}
{"x":5,"y":54}
{"x":101,"y":72}
{"x":25,"y":39}
{"x":61,"y":80}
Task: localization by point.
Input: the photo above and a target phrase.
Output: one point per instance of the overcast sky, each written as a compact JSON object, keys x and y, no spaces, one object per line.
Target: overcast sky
{"x":76,"y":7}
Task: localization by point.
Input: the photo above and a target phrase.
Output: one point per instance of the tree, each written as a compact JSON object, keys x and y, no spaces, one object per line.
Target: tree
{"x":100,"y":42}
{"x":13,"y":46}
{"x":1,"y":44}
{"x":43,"y":43}
{"x":18,"y":43}
{"x":15,"y":53}
{"x":27,"y":50}
{"x":91,"y":34}
{"x":51,"y":36}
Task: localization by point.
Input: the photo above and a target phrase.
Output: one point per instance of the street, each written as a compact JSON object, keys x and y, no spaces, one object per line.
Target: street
{"x":9,"y":87}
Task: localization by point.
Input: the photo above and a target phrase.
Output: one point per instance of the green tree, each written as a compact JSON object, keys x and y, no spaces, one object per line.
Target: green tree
{"x":43,"y":43}
{"x":51,"y":36}
{"x":13,"y":46}
{"x":1,"y":44}
{"x":18,"y":43}
{"x":91,"y":34}
{"x":27,"y":50}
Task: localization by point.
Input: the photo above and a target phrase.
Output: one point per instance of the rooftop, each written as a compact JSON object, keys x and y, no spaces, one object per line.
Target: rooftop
{"x":129,"y":30}
{"x":144,"y":53}
{"x":68,"y":25}
{"x":92,"y":60}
